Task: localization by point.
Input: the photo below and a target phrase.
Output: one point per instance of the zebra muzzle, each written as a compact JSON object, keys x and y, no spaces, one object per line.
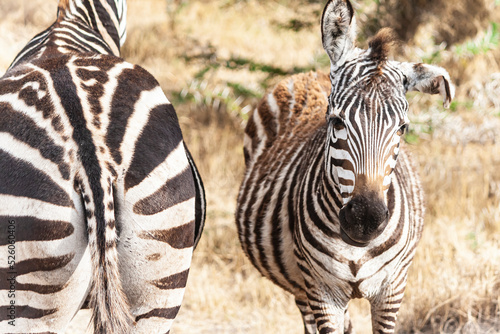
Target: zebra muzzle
{"x":350,"y":241}
{"x":363,"y":219}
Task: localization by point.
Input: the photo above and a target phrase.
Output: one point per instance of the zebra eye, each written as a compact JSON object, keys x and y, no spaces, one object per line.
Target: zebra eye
{"x":403,"y":129}
{"x":405,"y":82}
{"x":337,"y":122}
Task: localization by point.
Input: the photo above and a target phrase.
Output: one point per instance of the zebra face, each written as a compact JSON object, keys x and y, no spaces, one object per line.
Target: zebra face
{"x":367,"y":116}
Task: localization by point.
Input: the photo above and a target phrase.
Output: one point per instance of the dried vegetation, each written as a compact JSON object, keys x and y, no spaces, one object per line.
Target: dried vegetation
{"x":214,"y":59}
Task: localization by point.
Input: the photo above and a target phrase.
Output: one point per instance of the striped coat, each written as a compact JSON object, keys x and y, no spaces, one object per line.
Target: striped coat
{"x":285,"y":211}
{"x":99,"y":196}
{"x":324,"y":210}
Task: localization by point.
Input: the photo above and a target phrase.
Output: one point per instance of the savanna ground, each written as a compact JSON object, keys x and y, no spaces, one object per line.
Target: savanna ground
{"x":214,"y":59}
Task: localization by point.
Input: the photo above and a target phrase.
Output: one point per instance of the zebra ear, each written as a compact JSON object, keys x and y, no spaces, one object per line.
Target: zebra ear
{"x":338,"y":30}
{"x":429,"y":79}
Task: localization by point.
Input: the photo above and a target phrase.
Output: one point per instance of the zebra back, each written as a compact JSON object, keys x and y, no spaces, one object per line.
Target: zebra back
{"x":293,"y":108}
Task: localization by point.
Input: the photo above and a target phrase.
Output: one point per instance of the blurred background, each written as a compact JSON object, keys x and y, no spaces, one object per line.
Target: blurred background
{"x":215,"y":58}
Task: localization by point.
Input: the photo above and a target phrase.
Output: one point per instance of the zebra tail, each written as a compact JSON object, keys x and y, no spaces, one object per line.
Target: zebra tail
{"x":110,"y":308}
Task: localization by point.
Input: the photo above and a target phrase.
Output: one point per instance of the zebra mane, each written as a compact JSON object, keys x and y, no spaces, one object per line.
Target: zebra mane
{"x":382,"y":44}
{"x":62,"y":8}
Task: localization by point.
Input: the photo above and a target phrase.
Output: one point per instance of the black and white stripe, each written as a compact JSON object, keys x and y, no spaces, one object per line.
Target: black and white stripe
{"x":94,"y":175}
{"x":333,"y":210}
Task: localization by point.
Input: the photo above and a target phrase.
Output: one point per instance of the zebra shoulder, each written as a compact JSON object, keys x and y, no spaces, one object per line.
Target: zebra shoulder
{"x":295,"y":106}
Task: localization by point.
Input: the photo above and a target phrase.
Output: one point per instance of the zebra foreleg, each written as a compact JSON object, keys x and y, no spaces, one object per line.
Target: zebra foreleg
{"x":384,"y":313}
{"x":310,"y":322}
{"x":307,"y":317}
{"x":328,"y":314}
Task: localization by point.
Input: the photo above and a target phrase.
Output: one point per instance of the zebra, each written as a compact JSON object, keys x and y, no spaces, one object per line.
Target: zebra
{"x":324,"y":210}
{"x":99,"y":195}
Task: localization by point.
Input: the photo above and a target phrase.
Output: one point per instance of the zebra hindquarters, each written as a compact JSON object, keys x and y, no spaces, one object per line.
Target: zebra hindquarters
{"x":44,"y":237}
{"x":156,"y":224}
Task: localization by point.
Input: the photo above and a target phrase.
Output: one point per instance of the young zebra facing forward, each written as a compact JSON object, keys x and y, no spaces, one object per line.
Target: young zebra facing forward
{"x":97,"y":188}
{"x":333,"y":210}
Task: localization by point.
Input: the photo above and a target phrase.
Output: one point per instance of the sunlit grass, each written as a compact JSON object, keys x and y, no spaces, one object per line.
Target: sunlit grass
{"x":454,"y":283}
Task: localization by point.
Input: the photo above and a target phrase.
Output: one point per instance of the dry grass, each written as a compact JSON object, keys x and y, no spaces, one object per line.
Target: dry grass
{"x":454,"y":283}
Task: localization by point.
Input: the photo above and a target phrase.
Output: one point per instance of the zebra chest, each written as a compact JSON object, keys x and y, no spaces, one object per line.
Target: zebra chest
{"x":357,"y":271}
{"x":353,"y":278}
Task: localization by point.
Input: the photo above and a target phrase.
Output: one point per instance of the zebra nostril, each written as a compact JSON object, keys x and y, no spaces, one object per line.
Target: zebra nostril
{"x":349,"y":210}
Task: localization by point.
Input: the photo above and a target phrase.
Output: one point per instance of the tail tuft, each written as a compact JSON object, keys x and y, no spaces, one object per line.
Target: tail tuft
{"x":110,"y":309}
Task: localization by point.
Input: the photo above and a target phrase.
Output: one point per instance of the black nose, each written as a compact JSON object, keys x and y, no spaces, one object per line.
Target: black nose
{"x":364,"y":218}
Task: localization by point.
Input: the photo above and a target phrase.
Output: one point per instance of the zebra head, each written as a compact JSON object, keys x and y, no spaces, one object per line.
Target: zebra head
{"x":367,"y":117}
{"x":108,"y":17}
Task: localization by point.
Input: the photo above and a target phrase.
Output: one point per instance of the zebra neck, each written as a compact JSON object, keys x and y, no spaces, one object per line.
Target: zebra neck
{"x":106,"y":18}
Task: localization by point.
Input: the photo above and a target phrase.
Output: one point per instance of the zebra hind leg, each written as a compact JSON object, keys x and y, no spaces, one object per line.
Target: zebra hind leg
{"x":50,"y":278}
{"x":307,"y":317}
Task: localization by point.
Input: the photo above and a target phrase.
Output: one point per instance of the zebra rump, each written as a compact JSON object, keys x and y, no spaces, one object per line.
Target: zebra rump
{"x":100,"y":199}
